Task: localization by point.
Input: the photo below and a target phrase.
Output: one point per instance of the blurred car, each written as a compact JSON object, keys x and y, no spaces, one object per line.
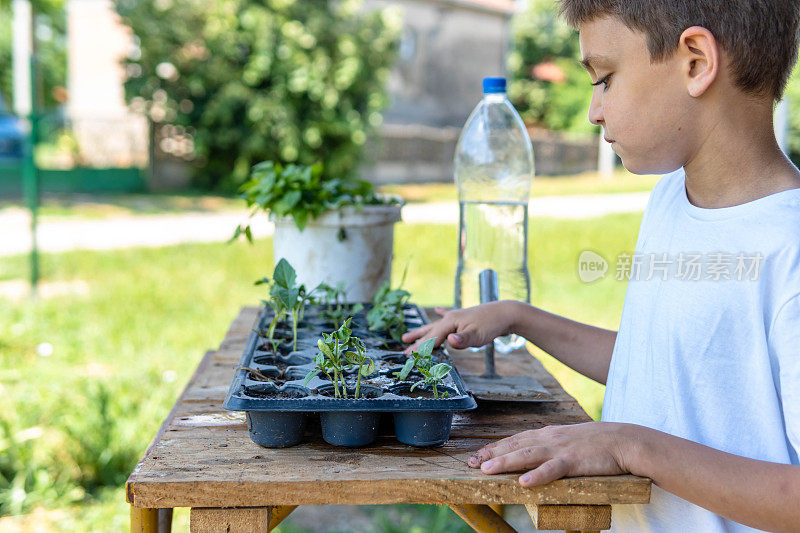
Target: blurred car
{"x":11,"y":135}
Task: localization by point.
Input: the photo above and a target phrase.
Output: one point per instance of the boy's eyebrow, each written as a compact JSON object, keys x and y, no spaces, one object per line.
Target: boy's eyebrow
{"x":589,"y":61}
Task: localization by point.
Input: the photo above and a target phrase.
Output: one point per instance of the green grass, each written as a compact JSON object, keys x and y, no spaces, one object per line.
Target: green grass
{"x":99,"y":206}
{"x":587,"y":183}
{"x":73,"y":424}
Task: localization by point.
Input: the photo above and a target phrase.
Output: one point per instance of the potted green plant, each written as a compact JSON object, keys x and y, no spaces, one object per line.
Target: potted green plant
{"x":333,"y":230}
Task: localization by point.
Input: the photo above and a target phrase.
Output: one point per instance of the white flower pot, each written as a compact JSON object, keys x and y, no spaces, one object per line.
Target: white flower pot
{"x":350,"y":244}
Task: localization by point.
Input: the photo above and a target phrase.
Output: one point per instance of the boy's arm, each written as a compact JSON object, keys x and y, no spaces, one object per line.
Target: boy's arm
{"x":582,"y":347}
{"x":759,"y":494}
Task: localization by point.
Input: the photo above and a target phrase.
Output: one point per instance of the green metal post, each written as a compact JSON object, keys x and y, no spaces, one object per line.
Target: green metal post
{"x":30,"y":177}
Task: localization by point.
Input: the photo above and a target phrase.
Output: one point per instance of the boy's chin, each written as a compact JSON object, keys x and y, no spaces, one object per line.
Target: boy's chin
{"x":643,"y":167}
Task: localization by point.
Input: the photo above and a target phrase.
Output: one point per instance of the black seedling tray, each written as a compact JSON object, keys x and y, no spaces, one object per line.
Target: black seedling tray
{"x":278,"y":405}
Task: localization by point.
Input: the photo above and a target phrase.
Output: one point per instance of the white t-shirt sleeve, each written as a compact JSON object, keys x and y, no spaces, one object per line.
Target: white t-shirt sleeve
{"x":784,"y":343}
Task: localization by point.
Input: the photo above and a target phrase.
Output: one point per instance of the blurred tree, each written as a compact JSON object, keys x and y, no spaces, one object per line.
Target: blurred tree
{"x":284,"y":80}
{"x":52,"y":50}
{"x":548,"y":86}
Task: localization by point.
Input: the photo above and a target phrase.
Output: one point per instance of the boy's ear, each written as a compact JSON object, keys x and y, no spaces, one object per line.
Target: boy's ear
{"x":699,"y":56}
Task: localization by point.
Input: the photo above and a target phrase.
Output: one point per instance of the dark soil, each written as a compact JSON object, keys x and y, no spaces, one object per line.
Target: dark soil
{"x":417,"y":393}
{"x":278,"y":380}
{"x":363,"y":393}
{"x":279,"y":334}
{"x":283,"y":348}
{"x":394,"y":346}
{"x":284,"y":394}
{"x":272,"y":361}
{"x":395,"y":358}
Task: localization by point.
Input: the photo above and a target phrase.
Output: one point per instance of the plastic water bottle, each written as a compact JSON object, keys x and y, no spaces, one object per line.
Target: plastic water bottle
{"x":493,"y":172}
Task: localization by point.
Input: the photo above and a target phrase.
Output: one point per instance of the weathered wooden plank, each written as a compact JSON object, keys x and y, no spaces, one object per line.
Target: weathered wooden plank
{"x":247,"y":520}
{"x":570,"y":517}
{"x":484,"y":491}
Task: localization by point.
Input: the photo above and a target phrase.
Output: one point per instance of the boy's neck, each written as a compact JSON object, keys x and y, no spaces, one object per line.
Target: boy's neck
{"x":740,"y":161}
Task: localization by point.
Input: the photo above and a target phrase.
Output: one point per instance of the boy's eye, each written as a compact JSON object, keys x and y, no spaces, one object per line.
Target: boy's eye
{"x":603,"y":80}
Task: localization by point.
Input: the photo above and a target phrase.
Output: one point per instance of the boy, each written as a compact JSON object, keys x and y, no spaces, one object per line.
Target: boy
{"x":703,"y":377}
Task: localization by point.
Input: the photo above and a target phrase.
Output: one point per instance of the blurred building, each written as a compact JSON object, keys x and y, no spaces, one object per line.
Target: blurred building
{"x":107,"y":132}
{"x":447,"y":48}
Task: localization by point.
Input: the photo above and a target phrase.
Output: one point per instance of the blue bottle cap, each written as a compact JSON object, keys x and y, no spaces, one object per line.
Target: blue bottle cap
{"x":494,"y":85}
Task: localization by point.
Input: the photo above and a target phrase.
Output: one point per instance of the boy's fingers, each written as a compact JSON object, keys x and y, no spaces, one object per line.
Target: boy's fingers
{"x":501,"y":447}
{"x":442,"y":310}
{"x":420,"y":335}
{"x":416,"y":333}
{"x":456,"y":340}
{"x":548,"y":471}
{"x":464,"y":338}
{"x":522,"y":459}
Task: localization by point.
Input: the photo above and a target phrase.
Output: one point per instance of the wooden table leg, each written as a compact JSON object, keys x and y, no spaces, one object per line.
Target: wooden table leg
{"x":144,"y":520}
{"x":238,"y":519}
{"x":570,"y":517}
{"x":499,"y":508}
{"x":279,"y":512}
{"x":235,"y":519}
{"x":165,"y":520}
{"x":482,"y":518}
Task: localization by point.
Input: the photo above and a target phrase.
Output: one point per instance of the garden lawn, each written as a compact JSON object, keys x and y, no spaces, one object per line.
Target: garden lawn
{"x":100,"y":206}
{"x":578,"y":184}
{"x":85,"y":380}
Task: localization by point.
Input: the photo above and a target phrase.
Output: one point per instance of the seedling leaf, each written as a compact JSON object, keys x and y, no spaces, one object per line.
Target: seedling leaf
{"x":323,"y":347}
{"x":406,"y":370}
{"x":439,"y":371}
{"x":426,"y":348}
{"x":311,"y":375}
{"x":369,"y":368}
{"x":284,"y":274}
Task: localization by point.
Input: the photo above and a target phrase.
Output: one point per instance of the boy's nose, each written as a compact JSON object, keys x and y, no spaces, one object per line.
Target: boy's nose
{"x":596,"y":110}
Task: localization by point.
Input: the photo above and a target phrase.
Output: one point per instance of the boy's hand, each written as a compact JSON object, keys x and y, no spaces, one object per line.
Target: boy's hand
{"x":553,"y":452}
{"x":462,"y":328}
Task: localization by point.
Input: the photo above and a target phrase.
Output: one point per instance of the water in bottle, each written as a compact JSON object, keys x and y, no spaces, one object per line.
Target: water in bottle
{"x":493,"y":171}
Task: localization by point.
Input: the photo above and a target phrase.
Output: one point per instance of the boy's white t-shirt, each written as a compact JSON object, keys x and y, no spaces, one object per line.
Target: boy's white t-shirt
{"x":708,"y":347}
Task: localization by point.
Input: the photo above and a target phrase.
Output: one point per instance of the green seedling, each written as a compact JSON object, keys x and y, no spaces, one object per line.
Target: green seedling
{"x":433,"y":377}
{"x":387,"y":310}
{"x":357,"y":357}
{"x":334,"y":302}
{"x":421,"y":358}
{"x":340,"y":352}
{"x":286,"y":298}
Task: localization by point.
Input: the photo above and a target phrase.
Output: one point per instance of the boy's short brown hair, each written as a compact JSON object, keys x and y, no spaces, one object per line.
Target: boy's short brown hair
{"x":759,"y":36}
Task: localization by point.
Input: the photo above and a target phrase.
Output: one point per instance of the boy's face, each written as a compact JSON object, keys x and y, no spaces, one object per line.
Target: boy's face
{"x":643,"y":107}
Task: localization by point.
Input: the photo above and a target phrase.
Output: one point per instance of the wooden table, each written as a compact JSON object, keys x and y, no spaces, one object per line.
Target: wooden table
{"x":203,"y":458}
